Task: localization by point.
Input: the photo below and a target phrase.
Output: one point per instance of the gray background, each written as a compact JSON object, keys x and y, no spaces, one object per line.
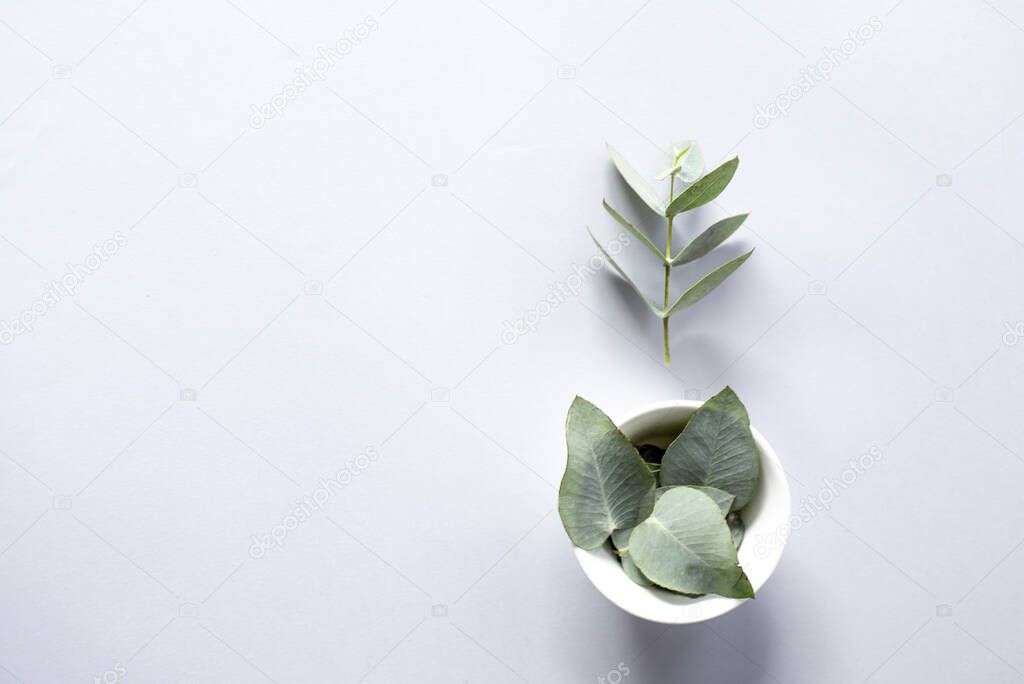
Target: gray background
{"x":338,"y":279}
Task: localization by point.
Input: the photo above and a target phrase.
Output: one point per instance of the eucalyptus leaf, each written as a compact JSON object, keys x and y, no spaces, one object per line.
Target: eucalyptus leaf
{"x":676,"y":160}
{"x":686,"y":165}
{"x":620,"y":539}
{"x":687,"y":162}
{"x":618,"y":269}
{"x":705,"y":285}
{"x":691,"y":166}
{"x":715,"y":449}
{"x":685,"y":546}
{"x":668,"y":172}
{"x":633,"y":572}
{"x":636,"y":232}
{"x":655,"y":469}
{"x":737,"y":528}
{"x":704,"y":190}
{"x":722,"y":498}
{"x":606,"y":486}
{"x":709,"y":239}
{"x":636,"y":182}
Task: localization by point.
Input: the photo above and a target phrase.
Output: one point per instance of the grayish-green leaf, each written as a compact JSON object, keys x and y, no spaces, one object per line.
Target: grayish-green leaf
{"x":686,"y":162}
{"x":618,"y":269}
{"x":633,"y":572}
{"x":685,"y":546}
{"x":667,"y":172}
{"x":736,"y":528}
{"x":637,"y":182}
{"x":620,"y":539}
{"x":691,"y":166}
{"x":636,"y":232}
{"x":715,"y":449}
{"x":705,"y":285}
{"x":704,"y":190}
{"x":606,"y":485}
{"x":722,"y":498}
{"x":709,"y":239}
{"x":675,"y":160}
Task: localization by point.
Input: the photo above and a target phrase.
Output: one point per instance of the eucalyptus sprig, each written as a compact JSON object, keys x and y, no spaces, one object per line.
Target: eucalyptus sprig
{"x":696,"y":189}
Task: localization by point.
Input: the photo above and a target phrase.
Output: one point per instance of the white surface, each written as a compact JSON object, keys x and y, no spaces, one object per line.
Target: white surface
{"x":766,"y":519}
{"x":871,"y":316}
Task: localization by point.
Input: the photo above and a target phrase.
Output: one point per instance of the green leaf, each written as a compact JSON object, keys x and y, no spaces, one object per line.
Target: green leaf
{"x":606,"y":486}
{"x":633,"y":572}
{"x":704,"y":190}
{"x":709,"y":239}
{"x":620,"y":539}
{"x":685,"y":546}
{"x":687,"y":162}
{"x":705,"y":285}
{"x":636,"y":182}
{"x":737,"y":528}
{"x":715,"y":449}
{"x":657,"y":312}
{"x":637,"y":233}
{"x":691,"y":166}
{"x":722,"y":498}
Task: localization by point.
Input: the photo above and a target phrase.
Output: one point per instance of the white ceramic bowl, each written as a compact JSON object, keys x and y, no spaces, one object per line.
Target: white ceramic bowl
{"x":766,"y":518}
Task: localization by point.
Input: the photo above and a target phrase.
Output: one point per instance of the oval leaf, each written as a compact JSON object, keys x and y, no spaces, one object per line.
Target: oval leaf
{"x":685,"y":546}
{"x":633,"y":572}
{"x":606,"y":485}
{"x":620,"y":539}
{"x":704,"y":190}
{"x":636,"y":182}
{"x":705,"y":285}
{"x":736,"y":528}
{"x":715,"y":449}
{"x":691,"y":165}
{"x":709,"y":239}
{"x":618,"y":269}
{"x":686,"y":162}
{"x":636,"y":232}
{"x":722,"y":498}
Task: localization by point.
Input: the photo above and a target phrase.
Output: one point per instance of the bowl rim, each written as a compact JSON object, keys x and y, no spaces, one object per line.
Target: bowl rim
{"x":707,"y":607}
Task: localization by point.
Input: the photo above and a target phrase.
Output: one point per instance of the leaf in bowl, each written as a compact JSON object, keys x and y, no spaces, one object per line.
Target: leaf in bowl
{"x":685,"y":545}
{"x":606,"y":485}
{"x":736,"y":528}
{"x":715,"y":449}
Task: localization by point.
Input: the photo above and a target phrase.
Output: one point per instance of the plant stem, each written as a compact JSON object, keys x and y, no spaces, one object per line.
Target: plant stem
{"x":668,"y":270}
